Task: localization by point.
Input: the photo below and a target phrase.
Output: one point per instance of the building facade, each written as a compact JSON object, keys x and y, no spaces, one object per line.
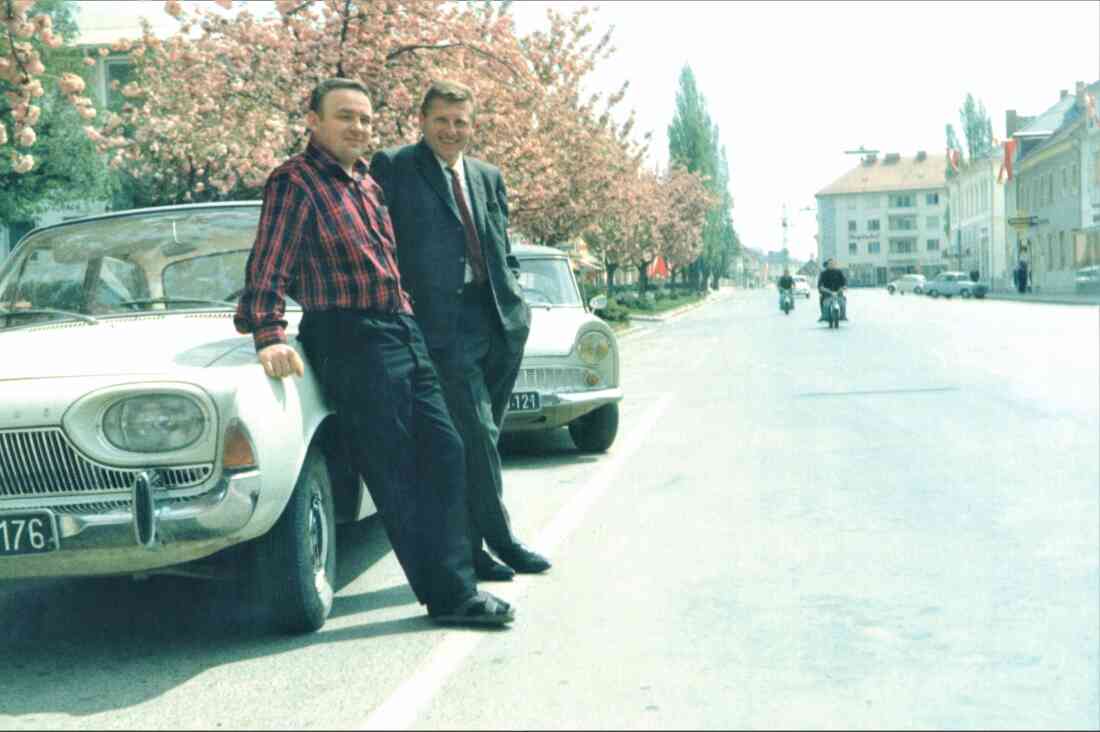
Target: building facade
{"x":886,"y":218}
{"x":977,"y":236}
{"x":1056,"y":196}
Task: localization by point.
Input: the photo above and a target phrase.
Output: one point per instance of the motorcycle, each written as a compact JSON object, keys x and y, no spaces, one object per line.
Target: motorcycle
{"x":832,"y":307}
{"x":786,"y":301}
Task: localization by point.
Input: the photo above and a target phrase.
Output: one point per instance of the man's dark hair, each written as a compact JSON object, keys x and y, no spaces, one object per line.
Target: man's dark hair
{"x":317,"y":96}
{"x":449,"y":91}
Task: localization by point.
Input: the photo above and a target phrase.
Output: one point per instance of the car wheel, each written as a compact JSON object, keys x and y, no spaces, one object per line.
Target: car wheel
{"x":917,"y":291}
{"x":595,"y":431}
{"x":933,"y":294}
{"x":890,"y":290}
{"x":293,"y":566}
{"x":965,"y":293}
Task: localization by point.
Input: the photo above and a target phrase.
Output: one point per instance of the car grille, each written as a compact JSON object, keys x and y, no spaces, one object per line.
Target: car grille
{"x":42,"y":462}
{"x":551,"y":379}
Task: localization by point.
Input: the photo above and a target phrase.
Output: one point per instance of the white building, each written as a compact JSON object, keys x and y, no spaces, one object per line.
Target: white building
{"x":977,"y":237}
{"x":885,"y":218}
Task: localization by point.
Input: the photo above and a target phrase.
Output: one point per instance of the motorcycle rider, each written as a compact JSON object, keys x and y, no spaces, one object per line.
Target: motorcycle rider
{"x":786,"y":283}
{"x":832,"y":278}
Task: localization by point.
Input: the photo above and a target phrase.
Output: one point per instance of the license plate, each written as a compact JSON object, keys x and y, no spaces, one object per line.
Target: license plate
{"x":524,"y":401}
{"x":33,"y":532}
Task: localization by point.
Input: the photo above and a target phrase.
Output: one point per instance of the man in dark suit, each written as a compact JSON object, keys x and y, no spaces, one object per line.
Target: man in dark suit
{"x":450,"y":218}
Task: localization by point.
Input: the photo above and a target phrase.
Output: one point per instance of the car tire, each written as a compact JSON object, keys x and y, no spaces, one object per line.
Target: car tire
{"x":933,"y":294}
{"x":917,"y":291}
{"x":965,"y":293}
{"x":890,"y":290}
{"x":293,"y":566}
{"x":595,"y":431}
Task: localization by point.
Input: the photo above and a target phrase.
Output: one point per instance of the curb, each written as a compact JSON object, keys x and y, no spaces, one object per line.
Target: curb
{"x":670,"y":314}
{"x":1093,"y":300}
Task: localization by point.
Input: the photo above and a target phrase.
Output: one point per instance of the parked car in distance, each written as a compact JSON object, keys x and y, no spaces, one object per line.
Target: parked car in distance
{"x":570,"y":370}
{"x":139,"y":433}
{"x":1087,"y":280}
{"x":949,"y":284}
{"x":801,"y":286}
{"x":907,"y":283}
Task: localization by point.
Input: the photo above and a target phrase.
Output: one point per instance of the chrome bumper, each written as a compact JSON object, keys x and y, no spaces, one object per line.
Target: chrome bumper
{"x":560,"y":409}
{"x":104,"y":544}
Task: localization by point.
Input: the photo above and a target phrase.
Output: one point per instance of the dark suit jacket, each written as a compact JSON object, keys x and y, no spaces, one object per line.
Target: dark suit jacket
{"x":431,"y":242}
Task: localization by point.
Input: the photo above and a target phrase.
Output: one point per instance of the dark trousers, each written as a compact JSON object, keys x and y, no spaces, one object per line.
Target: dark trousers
{"x":379,"y":379}
{"x":478,"y":375}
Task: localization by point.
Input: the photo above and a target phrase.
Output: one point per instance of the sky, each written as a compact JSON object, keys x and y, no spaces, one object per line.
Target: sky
{"x":793,"y":85}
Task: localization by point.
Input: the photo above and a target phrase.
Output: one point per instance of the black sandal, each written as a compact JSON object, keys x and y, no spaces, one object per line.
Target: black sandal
{"x":481,"y":609}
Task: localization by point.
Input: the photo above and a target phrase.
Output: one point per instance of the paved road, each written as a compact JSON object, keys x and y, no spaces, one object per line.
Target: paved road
{"x":893,"y":525}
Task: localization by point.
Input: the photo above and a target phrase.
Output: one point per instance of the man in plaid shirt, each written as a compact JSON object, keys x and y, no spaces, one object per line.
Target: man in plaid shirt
{"x":325,"y":239}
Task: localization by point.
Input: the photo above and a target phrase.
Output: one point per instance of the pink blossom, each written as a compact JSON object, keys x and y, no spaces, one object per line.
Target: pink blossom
{"x":173,"y":8}
{"x":33,"y":113}
{"x":227,"y":4}
{"x":89,"y":61}
{"x":22,"y":163}
{"x":71,"y":84}
{"x":3,"y":134}
{"x":104,"y":51}
{"x":25,"y":136}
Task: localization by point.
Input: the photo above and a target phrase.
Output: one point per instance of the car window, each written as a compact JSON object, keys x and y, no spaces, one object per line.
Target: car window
{"x":211,"y":277}
{"x":548,"y":281}
{"x":116,"y":265}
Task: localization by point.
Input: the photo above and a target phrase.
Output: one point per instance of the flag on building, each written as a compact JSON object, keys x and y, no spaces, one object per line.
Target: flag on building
{"x":1006,"y":165}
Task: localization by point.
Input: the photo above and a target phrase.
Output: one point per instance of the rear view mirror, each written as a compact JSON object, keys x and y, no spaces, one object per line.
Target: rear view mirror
{"x":513,"y":263}
{"x":598,"y":302}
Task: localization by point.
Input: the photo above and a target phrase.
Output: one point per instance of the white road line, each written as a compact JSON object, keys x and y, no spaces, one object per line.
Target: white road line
{"x":402,"y":708}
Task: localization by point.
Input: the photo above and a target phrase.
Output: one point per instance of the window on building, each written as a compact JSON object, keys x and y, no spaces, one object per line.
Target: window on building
{"x":903,"y":246}
{"x":119,"y":73}
{"x":1074,"y":178}
{"x":1062,"y":253}
{"x":873,"y":247}
{"x":873,"y":225}
{"x":932,"y":199}
{"x":901,"y":200}
{"x":903,"y":223}
{"x":873,"y":200}
{"x":1050,"y":188}
{"x":853,"y":248}
{"x":932,"y":222}
{"x":933,"y":245}
{"x":852,"y":227}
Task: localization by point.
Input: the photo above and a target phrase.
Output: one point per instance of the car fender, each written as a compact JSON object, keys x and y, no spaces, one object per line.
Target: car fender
{"x":283,"y":418}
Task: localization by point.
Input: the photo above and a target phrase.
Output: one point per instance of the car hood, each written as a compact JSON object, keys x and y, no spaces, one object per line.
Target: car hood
{"x":138,"y":345}
{"x":554,"y":330}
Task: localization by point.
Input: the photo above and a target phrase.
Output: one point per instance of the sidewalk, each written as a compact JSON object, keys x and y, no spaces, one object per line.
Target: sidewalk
{"x":1046,"y":298}
{"x":712,"y":296}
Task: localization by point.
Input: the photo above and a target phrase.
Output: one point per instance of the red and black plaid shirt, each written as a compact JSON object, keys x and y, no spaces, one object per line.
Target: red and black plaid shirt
{"x":325,"y":239}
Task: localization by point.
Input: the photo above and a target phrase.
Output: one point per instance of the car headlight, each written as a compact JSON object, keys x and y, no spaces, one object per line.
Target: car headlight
{"x":593,"y":347}
{"x":154,"y":423}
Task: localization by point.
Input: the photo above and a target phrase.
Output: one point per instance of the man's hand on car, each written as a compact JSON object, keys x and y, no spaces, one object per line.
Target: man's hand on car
{"x":280,"y":360}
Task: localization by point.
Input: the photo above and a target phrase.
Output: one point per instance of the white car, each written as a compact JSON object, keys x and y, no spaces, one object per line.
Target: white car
{"x":914,"y":283}
{"x":570,"y":370}
{"x":801,"y":286}
{"x":138,"y":432}
{"x":949,"y":284}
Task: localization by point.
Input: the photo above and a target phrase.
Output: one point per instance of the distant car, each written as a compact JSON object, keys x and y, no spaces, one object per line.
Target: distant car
{"x":570,"y":369}
{"x":801,"y":286}
{"x":907,"y":283}
{"x":950,"y":284}
{"x":1087,"y":280}
{"x":139,"y":432}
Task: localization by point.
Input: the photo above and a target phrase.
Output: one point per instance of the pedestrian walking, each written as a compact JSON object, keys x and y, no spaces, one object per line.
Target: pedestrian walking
{"x":326,"y":240}
{"x":1021,"y":276}
{"x":450,"y":217}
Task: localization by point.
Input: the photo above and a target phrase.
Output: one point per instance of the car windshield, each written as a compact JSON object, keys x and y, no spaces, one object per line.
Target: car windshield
{"x":165,"y":260}
{"x":548,"y":281}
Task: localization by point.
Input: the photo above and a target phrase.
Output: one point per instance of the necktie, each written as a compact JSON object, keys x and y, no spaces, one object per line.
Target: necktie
{"x":473,"y":244}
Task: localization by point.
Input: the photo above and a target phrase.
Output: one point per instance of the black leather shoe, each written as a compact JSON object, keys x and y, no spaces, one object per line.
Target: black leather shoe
{"x":488,"y":569}
{"x":524,"y":561}
{"x":481,"y":610}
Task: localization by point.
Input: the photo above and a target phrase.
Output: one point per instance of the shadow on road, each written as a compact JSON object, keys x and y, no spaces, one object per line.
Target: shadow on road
{"x":85,"y":646}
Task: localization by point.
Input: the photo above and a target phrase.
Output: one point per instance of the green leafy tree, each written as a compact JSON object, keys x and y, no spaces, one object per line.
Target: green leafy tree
{"x":68,"y":168}
{"x":693,"y":143}
{"x":977,"y":127}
